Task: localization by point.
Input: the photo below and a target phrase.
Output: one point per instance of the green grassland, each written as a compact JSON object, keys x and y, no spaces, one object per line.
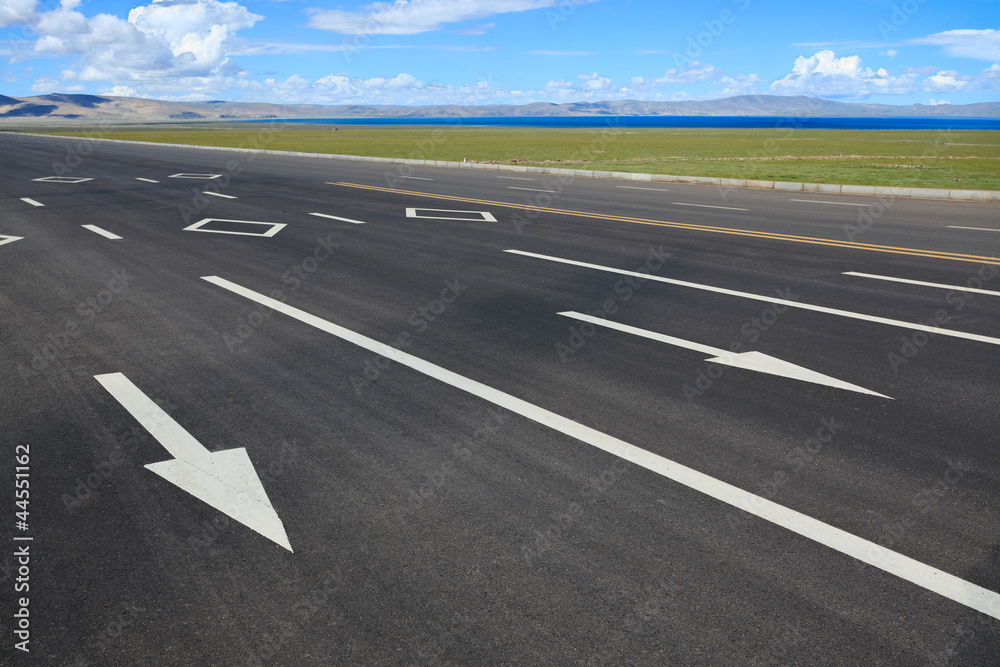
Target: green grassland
{"x":911,"y":158}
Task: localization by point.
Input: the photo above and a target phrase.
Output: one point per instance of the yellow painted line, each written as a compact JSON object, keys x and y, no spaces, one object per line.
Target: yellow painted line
{"x":915,"y":252}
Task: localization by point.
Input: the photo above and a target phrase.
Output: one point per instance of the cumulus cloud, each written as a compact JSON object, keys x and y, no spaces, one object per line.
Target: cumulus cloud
{"x":741,"y":84}
{"x":167,"y":41}
{"x":119,"y":91}
{"x":826,"y":75}
{"x":16,"y":12}
{"x":945,"y":82}
{"x":410,"y":17}
{"x":978,"y":44}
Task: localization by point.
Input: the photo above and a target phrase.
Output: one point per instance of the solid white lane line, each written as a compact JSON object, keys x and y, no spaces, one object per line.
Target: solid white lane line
{"x":751,"y":361}
{"x":925,"y":576}
{"x":769,"y":299}
{"x":148,"y":180}
{"x":219,"y":194}
{"x":981,"y":229}
{"x":820,"y":201}
{"x":728,"y":208}
{"x":514,"y":187}
{"x":635,"y":187}
{"x":31,"y":201}
{"x":333,"y":217}
{"x":103,"y":232}
{"x":921,"y":282}
{"x":515,"y":178}
{"x":416,"y":178}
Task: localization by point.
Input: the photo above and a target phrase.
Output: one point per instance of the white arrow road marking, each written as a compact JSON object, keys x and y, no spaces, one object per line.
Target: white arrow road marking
{"x":751,"y":361}
{"x":9,"y":239}
{"x":225,"y":480}
{"x":961,"y":591}
{"x":770,"y":299}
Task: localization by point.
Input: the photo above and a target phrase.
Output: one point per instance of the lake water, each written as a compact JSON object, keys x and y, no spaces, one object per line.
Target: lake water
{"x":765,"y":122}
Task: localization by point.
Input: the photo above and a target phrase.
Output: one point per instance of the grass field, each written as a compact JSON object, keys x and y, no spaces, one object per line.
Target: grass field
{"x":914,"y":158}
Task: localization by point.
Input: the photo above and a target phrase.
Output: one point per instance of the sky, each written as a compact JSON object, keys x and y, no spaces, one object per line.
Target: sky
{"x":469,"y":52}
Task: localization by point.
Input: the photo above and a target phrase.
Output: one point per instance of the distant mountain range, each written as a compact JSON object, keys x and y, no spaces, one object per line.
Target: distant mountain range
{"x":65,"y":107}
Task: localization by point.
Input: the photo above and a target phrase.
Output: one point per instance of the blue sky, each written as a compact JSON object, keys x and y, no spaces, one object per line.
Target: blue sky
{"x":502,"y":51}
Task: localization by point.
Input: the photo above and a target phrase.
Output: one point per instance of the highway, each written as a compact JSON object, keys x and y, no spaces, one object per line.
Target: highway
{"x":282,"y":410}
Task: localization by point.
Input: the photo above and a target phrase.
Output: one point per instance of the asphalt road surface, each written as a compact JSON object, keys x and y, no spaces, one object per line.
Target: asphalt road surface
{"x":265,"y":410}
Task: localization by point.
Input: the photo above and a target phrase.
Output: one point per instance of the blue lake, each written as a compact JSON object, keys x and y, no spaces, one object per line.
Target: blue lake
{"x":778,"y":122}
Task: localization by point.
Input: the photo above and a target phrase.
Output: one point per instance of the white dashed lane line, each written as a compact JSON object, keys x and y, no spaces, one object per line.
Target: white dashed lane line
{"x":835,"y":203}
{"x":334,"y":217}
{"x":728,"y":208}
{"x":31,"y":201}
{"x":925,"y":284}
{"x":103,"y":232}
{"x":980,"y":229}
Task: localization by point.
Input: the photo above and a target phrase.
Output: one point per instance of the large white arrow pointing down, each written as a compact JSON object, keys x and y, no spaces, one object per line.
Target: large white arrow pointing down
{"x":751,"y":361}
{"x":225,"y":480}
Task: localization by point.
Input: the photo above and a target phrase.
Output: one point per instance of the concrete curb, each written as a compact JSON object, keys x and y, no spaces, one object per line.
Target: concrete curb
{"x":823,"y":188}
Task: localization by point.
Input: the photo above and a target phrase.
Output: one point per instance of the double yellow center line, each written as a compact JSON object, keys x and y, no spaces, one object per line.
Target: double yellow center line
{"x":934,"y":254}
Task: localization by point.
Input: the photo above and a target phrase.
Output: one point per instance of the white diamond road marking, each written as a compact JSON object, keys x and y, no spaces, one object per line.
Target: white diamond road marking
{"x":275,"y":227}
{"x":62,"y":179}
{"x":485,"y":216}
{"x":201,"y":176}
{"x":4,"y":238}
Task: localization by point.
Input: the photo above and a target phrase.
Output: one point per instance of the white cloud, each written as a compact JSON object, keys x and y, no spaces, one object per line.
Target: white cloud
{"x":739,"y":85}
{"x":690,"y":73}
{"x":119,"y":91}
{"x":410,"y":17}
{"x":935,"y":102}
{"x":945,"y":82}
{"x":978,"y":44}
{"x":16,"y":12}
{"x":826,"y":75}
{"x":595,"y":83}
{"x":172,"y":44}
